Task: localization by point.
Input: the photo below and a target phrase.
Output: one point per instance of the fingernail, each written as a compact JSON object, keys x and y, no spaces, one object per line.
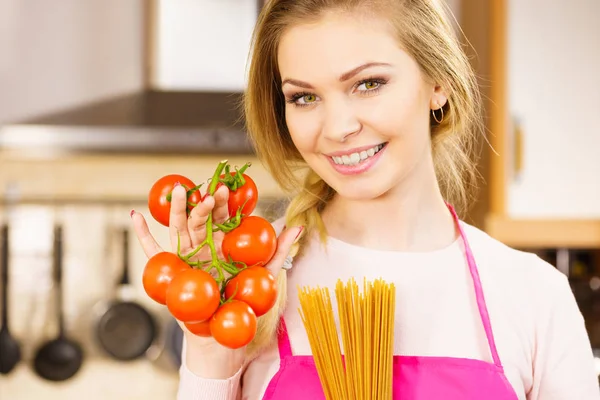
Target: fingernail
{"x":298,"y":234}
{"x":131,"y":213}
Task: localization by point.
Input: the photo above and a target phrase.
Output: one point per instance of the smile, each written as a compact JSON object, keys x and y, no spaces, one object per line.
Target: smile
{"x":358,"y":157}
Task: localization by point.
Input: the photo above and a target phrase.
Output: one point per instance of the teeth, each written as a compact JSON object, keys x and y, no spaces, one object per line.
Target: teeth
{"x":356,"y":158}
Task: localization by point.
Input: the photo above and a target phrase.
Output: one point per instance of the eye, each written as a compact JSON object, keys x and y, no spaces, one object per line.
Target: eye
{"x":370,"y":85}
{"x":306,"y":99}
{"x":302,"y":99}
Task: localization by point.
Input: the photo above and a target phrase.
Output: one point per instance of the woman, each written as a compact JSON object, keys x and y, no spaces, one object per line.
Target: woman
{"x":379,"y":101}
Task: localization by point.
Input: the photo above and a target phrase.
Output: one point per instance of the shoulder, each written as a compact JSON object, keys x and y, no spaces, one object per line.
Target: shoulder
{"x":508,"y":268}
{"x":539,"y":329}
{"x":525,"y":295}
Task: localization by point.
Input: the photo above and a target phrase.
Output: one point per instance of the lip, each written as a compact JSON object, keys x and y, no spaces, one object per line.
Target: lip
{"x":359,"y":168}
{"x":354,"y":150}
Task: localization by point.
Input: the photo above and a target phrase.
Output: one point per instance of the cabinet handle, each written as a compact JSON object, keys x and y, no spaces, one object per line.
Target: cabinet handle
{"x":517,"y":159}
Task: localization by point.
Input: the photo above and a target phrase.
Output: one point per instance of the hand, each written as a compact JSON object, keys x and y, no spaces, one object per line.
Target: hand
{"x":205,"y":354}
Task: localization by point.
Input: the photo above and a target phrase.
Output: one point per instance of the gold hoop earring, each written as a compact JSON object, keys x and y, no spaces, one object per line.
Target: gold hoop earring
{"x":434,"y":117}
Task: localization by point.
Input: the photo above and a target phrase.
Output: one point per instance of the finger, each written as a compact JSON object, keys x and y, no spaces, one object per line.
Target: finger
{"x":178,"y":219}
{"x":221,"y":212}
{"x":284,"y":242}
{"x":149,"y":244}
{"x":197,"y":221}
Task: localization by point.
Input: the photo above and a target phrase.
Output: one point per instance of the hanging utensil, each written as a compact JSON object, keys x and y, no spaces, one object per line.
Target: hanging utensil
{"x":126,"y":330}
{"x":166,"y":352}
{"x":10,"y":349}
{"x":175,"y":344}
{"x":60,"y":358}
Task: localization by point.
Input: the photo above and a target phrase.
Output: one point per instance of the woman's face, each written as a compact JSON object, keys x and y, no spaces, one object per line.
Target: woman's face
{"x":357,"y":105}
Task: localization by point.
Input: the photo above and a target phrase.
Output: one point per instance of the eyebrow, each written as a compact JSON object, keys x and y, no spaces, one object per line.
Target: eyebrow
{"x":344,"y":77}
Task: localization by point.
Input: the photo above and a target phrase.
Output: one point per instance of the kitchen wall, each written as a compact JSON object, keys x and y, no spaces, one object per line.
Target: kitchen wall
{"x":59,"y":54}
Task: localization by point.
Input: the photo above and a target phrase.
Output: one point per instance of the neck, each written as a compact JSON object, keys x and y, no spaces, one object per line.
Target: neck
{"x":411,"y":217}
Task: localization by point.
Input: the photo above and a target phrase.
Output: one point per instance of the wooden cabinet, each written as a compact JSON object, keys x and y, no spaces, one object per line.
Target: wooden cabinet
{"x":544,"y":122}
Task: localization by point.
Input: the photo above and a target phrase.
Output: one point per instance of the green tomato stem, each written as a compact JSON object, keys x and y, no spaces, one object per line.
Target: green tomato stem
{"x":244,"y":168}
{"x":221,"y":275}
{"x":229,"y":268}
{"x":209,"y":223}
{"x":200,"y":264}
{"x":196,"y":250}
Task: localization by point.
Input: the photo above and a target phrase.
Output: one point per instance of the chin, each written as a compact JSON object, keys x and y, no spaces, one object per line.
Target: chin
{"x":358,"y":192}
{"x":360,"y":187}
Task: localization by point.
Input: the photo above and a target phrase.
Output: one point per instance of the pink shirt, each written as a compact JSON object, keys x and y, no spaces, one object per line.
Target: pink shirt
{"x":539,"y":331}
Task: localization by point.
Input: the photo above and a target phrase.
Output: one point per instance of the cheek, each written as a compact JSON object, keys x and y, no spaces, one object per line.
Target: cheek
{"x":400,"y":114}
{"x":304,"y":129}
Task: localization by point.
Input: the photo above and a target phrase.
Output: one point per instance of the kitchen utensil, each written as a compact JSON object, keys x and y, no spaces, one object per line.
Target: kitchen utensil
{"x":175,"y":344}
{"x":10,"y":349}
{"x":125,"y":330}
{"x":166,"y":352}
{"x":60,"y":358}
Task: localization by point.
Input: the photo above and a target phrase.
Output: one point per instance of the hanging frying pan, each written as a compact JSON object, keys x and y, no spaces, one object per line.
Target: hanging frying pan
{"x":175,"y":343}
{"x":166,"y":352}
{"x":125,"y":330}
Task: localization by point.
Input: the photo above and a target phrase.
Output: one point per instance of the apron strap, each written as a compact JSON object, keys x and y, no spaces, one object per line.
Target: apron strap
{"x":483,"y":312}
{"x":283,"y":340}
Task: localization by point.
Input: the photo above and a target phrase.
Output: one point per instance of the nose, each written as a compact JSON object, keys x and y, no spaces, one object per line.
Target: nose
{"x":341,"y":121}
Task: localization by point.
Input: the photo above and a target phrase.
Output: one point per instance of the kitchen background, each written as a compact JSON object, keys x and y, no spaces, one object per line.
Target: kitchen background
{"x":99,"y":98}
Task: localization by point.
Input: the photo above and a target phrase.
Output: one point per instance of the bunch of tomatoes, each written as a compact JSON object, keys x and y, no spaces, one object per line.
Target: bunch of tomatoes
{"x":223,"y":293}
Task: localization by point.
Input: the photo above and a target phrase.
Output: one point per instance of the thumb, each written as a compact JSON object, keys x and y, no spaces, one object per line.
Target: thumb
{"x":284,"y":242}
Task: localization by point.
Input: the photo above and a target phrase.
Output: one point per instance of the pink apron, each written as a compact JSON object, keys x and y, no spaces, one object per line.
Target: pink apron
{"x":414,"y":377}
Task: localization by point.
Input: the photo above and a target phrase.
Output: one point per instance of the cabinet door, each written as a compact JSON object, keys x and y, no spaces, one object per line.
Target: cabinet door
{"x":553,"y":83}
{"x":202,"y":45}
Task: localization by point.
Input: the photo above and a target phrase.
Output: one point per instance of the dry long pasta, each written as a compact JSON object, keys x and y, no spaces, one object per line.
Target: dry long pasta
{"x":367,"y":332}
{"x":324,"y":341}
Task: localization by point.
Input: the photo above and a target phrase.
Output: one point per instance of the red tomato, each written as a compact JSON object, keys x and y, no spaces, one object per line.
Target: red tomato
{"x":255,"y":286}
{"x":199,"y":328}
{"x":234,"y":324}
{"x":247,"y":193}
{"x":193,"y":296}
{"x":159,"y":272}
{"x":159,"y":205}
{"x":253,"y":242}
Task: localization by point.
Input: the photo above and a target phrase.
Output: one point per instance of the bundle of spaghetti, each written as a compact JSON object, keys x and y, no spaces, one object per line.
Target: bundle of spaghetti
{"x":319,"y":322}
{"x":366,"y":323}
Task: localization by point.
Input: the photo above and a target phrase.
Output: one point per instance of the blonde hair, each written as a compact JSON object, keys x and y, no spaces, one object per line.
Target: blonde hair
{"x":423,"y":30}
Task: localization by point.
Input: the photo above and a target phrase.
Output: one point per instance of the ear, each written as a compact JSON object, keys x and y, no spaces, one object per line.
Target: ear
{"x":438,"y":98}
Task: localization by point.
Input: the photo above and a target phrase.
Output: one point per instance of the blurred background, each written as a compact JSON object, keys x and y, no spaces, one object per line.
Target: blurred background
{"x":99,"y":98}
